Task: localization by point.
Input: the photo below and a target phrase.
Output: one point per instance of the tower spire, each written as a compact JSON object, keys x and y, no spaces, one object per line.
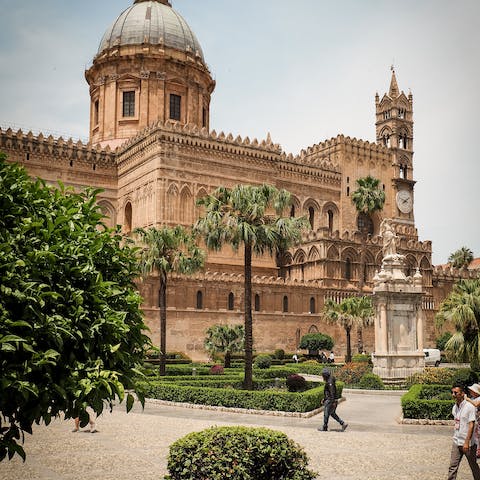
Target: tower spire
{"x":393,"y":92}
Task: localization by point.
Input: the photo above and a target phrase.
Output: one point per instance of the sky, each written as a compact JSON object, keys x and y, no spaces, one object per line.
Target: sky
{"x":302,"y":70}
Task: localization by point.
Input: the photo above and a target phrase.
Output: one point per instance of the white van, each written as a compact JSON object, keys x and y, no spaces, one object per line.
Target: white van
{"x":432,"y":357}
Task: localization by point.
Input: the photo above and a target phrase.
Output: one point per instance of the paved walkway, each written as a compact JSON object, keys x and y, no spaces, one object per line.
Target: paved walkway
{"x":135,"y":446}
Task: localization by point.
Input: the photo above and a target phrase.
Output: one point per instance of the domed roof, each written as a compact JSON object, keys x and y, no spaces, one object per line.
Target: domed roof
{"x":153,"y":22}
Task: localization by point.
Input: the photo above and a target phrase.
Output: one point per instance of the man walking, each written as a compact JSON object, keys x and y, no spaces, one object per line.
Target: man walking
{"x":330,"y":401}
{"x":463,"y":439}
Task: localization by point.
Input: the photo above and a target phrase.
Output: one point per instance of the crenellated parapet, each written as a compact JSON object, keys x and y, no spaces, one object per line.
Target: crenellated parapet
{"x":327,"y":152}
{"x":191,"y":136}
{"x":20,"y":146}
{"x":449,"y":273}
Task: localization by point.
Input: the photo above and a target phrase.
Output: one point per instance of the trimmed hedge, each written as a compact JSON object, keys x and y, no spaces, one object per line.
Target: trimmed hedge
{"x":229,"y":397}
{"x":237,"y":453}
{"x":427,"y":401}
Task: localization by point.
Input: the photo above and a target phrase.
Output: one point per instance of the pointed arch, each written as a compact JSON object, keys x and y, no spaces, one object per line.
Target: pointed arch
{"x":313,"y":254}
{"x":186,"y":205}
{"x":333,"y":253}
{"x":331,"y":216}
{"x":312,"y":210}
{"x":295,"y":207}
{"x":128,"y":218}
{"x":299,"y":257}
{"x":172,"y":201}
{"x":109,"y":211}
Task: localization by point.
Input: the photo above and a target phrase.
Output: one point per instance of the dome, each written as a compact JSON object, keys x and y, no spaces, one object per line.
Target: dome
{"x":152,"y":22}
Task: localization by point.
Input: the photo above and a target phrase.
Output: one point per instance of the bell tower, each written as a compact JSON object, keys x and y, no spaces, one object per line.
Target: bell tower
{"x":394,"y":130}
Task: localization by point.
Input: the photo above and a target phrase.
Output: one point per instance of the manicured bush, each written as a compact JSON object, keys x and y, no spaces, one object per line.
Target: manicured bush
{"x":237,"y":453}
{"x":263,"y":361}
{"x":280,"y":353}
{"x":296,"y":383}
{"x":371,"y":381}
{"x":314,"y":368}
{"x":316,"y":341}
{"x":276,"y":372}
{"x":427,"y":401}
{"x":231,"y":397}
{"x":217,"y":370}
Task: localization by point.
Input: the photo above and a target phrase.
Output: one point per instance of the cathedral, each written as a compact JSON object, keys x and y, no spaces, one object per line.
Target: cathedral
{"x":153,"y":154}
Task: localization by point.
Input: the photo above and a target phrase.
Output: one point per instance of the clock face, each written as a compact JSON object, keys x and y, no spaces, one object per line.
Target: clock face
{"x":404,"y":201}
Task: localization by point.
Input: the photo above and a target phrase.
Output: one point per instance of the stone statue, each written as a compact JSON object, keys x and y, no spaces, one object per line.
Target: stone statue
{"x":389,"y":238}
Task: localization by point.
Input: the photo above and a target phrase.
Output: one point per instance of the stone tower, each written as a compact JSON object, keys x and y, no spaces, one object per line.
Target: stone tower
{"x":149,"y":67}
{"x":394,"y":130}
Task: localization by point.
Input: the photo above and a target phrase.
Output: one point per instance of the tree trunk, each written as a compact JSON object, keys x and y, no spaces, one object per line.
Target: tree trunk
{"x":361,"y":284}
{"x":163,"y":323}
{"x":248,"y":381}
{"x":348,"y":357}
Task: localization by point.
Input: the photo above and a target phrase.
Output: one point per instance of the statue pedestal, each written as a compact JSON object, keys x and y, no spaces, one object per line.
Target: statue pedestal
{"x":398,"y":321}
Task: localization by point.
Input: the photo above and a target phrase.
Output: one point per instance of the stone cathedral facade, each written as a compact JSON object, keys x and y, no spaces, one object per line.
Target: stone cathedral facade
{"x":152,"y":152}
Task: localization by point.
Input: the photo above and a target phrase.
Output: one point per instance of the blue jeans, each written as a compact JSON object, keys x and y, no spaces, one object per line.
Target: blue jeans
{"x":329,"y":408}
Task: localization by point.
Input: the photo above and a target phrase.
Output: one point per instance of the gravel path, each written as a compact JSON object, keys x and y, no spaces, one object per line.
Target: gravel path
{"x":135,"y":446}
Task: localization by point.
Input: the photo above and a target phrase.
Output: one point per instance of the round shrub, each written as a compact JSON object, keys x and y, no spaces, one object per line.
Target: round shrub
{"x":296,"y":383}
{"x":316,"y":341}
{"x":263,"y":361}
{"x":216,"y":370}
{"x":371,"y":381}
{"x":237,"y":453}
{"x":280,"y":353}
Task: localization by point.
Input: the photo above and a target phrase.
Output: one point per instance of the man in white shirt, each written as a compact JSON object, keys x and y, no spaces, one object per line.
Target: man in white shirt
{"x":463,"y":438}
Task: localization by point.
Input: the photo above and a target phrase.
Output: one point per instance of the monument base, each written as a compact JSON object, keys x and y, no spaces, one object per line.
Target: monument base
{"x":395,"y":367}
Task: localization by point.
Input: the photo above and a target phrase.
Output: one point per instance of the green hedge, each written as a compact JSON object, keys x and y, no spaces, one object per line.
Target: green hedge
{"x":236,"y":453}
{"x":231,"y":397}
{"x":428,"y":401}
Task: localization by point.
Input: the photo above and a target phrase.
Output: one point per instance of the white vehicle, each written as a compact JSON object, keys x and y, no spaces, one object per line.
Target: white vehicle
{"x":432,"y":357}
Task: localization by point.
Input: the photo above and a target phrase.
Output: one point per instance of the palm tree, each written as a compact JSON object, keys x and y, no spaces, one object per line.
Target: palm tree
{"x":250,"y":216}
{"x":368,"y":199}
{"x":461,"y":258}
{"x":349,"y":313}
{"x":225,"y":339}
{"x":168,"y":249}
{"x":462,"y":309}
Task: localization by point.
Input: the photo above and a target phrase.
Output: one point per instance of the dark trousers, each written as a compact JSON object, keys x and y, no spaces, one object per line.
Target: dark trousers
{"x":329,"y":410}
{"x":456,"y":456}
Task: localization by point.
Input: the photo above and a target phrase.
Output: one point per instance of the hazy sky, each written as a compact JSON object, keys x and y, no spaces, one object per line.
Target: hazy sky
{"x":303,"y":70}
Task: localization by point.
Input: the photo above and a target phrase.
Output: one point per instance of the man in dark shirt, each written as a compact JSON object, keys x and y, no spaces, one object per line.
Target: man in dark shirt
{"x":330,"y":401}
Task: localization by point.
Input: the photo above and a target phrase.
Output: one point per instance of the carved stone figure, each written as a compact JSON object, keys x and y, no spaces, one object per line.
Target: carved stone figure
{"x":389,"y":238}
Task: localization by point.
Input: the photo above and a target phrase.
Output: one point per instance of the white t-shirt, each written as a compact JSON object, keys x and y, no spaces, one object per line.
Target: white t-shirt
{"x":463,"y":415}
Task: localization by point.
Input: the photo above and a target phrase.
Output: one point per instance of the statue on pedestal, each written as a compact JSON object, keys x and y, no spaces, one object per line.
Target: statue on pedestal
{"x":389,"y":238}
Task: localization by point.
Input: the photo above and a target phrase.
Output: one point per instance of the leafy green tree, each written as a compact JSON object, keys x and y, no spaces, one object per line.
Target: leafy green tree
{"x":461,"y":258}
{"x":250,"y":216}
{"x":316,"y":341}
{"x":225,"y":339}
{"x":71,"y":328}
{"x":368,"y":199}
{"x":166,"y":250}
{"x":351,"y":312}
{"x":462,"y":309}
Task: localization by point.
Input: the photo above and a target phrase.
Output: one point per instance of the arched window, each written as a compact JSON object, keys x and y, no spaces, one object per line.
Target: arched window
{"x":312,"y":305}
{"x":199,"y":300}
{"x":311,"y":216}
{"x":292,"y":211}
{"x":348,"y":269}
{"x":285,"y":304}
{"x":128,"y":217}
{"x":257,"y":302}
{"x":365,"y":223}
{"x":231,"y":301}
{"x":330,"y":221}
